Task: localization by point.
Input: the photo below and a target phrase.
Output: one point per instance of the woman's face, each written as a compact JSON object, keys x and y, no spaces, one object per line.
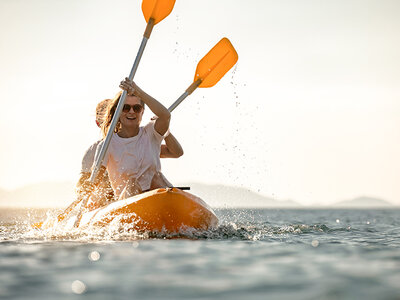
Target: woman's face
{"x":133,"y":117}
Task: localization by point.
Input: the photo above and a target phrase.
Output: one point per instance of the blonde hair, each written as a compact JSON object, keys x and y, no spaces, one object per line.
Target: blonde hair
{"x":109,"y":114}
{"x":101,"y":111}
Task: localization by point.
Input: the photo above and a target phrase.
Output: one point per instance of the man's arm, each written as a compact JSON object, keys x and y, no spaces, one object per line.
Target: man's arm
{"x":172,"y":148}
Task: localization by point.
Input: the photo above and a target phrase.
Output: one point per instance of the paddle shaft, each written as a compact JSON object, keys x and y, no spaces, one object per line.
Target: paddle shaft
{"x":188,"y":91}
{"x":115,"y":118}
{"x":61,"y":216}
{"x":68,"y":210}
{"x":121,"y":103}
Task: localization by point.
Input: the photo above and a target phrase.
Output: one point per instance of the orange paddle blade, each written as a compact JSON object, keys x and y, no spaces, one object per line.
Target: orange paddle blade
{"x":157,"y":9}
{"x":212,"y":67}
{"x":37,"y":225}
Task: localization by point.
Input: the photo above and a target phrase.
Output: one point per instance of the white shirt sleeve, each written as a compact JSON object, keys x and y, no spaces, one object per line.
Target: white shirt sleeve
{"x":149,"y":129}
{"x":88,"y":158}
{"x":105,"y":160}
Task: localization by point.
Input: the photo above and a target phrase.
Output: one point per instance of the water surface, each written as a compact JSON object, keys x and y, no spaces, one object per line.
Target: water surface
{"x":253,"y":254}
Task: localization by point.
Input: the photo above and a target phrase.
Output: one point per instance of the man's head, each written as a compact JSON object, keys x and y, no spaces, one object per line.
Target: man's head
{"x":101,"y":110}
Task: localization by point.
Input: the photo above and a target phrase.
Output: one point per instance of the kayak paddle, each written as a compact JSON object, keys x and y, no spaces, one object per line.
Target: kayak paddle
{"x":154,"y":11}
{"x":61,"y":216}
{"x":211,"y":68}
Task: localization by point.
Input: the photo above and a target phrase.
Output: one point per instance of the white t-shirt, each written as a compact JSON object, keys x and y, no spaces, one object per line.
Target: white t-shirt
{"x":88,"y":158}
{"x":136,"y":157}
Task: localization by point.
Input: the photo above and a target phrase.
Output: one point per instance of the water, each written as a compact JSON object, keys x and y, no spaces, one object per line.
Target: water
{"x":254,"y":254}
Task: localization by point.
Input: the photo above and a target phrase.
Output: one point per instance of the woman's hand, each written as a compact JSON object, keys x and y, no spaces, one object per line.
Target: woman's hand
{"x":162,"y":123}
{"x":129,"y":86}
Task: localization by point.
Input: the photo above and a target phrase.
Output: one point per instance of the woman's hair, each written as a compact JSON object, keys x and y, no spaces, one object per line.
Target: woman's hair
{"x":109,"y":114}
{"x":101,"y":111}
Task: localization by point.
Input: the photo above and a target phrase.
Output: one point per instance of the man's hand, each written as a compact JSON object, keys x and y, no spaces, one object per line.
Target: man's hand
{"x":87,"y":187}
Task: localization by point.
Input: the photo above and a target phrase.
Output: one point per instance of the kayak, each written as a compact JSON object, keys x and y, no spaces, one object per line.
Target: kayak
{"x":161,"y":210}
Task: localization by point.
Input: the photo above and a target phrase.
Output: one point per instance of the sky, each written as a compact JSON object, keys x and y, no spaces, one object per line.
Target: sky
{"x":310,"y":112}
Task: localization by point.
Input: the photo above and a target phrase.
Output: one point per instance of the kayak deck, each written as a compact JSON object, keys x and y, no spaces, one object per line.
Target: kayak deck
{"x":169,"y":210}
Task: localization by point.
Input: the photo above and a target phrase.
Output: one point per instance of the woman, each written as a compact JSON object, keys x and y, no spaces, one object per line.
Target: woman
{"x":133,"y":157}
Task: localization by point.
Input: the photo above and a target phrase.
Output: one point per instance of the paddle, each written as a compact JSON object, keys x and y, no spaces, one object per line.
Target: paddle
{"x":211,"y":68}
{"x":154,"y":11}
{"x":61,"y":216}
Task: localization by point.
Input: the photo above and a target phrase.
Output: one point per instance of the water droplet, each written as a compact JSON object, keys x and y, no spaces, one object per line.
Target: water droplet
{"x":94,"y":256}
{"x":337,"y":221}
{"x":78,"y":287}
{"x":315,"y":243}
{"x":368,"y":223}
{"x":135,"y":244}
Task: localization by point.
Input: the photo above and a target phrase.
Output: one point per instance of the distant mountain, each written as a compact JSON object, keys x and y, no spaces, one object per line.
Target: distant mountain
{"x":61,"y":194}
{"x":50,"y":194}
{"x":363,"y":202}
{"x":53,"y":194}
{"x":228,"y":196}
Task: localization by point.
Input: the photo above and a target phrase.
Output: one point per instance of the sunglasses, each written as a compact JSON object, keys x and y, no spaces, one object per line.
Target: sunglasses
{"x":137,"y":108}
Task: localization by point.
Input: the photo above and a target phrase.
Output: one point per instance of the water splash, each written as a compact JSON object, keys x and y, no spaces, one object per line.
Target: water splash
{"x":116,"y":231}
{"x":246,"y":225}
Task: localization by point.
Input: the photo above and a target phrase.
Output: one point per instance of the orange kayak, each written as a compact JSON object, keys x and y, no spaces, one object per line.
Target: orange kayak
{"x":162,"y":210}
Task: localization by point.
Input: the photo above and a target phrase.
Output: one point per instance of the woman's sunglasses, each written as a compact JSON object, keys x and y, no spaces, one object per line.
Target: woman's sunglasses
{"x":137,"y":108}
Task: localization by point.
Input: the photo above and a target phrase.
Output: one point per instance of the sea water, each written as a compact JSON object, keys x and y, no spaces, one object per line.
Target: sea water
{"x":253,"y":254}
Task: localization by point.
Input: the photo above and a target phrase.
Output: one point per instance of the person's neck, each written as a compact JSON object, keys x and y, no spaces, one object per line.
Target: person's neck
{"x":128,"y":132}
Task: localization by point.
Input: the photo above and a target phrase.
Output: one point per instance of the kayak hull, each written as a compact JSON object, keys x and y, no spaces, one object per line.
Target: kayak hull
{"x":162,"y":210}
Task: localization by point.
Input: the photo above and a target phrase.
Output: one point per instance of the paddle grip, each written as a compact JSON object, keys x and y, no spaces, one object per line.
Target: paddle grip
{"x":149,"y":28}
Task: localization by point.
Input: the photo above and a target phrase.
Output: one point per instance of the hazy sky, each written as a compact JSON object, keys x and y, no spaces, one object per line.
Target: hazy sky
{"x":310,"y":112}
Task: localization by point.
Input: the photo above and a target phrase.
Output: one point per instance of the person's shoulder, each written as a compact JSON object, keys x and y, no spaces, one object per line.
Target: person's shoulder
{"x":149,"y":125}
{"x":88,"y":157}
{"x":93,"y":147}
{"x":95,"y":144}
{"x":148,"y":129}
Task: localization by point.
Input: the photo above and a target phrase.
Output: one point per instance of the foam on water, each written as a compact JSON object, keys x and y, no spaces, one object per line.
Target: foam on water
{"x":231,"y":227}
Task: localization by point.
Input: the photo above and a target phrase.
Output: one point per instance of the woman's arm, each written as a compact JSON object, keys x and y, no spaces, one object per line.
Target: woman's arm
{"x":162,"y":123}
{"x":172,"y":148}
